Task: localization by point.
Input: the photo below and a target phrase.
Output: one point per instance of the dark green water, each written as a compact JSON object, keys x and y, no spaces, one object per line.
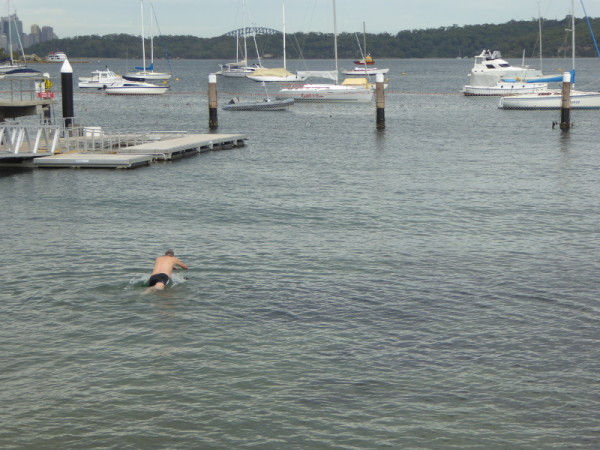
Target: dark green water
{"x":430,"y":286}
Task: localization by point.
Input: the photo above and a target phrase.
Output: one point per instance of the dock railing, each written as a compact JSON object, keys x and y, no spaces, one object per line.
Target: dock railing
{"x":26,"y":89}
{"x":18,"y":138}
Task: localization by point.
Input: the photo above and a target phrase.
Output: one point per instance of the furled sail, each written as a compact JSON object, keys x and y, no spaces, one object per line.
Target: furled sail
{"x":331,"y":74}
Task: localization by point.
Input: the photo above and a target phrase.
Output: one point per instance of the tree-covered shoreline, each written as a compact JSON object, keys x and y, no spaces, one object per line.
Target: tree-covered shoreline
{"x":511,"y":38}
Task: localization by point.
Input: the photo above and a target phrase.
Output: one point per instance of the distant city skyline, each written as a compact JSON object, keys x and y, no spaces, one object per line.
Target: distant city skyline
{"x":13,"y":35}
{"x":211,"y":18}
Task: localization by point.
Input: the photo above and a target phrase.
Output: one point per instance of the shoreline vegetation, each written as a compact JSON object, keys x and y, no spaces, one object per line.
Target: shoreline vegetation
{"x":513,"y":39}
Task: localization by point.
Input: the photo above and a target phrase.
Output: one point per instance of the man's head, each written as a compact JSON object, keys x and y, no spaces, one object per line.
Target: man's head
{"x":170,"y":253}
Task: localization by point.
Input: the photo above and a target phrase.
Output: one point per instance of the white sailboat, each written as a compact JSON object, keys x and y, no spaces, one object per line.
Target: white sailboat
{"x":147,"y":73}
{"x":240,"y":68}
{"x":552,"y":98}
{"x":9,"y":64}
{"x":276,"y":74}
{"x":328,"y":92}
{"x":364,"y":67}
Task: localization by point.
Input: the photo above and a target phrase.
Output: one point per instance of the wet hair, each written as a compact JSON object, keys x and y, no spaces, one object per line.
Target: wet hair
{"x":170,"y":252}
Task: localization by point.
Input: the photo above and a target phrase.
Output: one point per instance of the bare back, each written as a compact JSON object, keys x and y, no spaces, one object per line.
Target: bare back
{"x":166,"y":264}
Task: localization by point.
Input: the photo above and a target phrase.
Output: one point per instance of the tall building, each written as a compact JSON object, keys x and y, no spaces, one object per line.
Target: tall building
{"x":47,"y":34}
{"x":11,"y":32}
{"x":36,"y":34}
{"x":10,"y":27}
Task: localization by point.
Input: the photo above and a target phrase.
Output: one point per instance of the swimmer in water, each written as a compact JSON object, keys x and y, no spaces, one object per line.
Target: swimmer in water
{"x":163,"y":268}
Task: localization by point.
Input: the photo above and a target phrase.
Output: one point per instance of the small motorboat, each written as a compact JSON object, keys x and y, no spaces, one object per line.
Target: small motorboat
{"x":366,"y":60}
{"x":99,"y":79}
{"x":56,"y":57}
{"x":267,"y":104}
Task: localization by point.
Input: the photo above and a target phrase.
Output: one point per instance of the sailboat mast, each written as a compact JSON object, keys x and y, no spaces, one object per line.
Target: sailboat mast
{"x":244,"y":32}
{"x":573,"y":31}
{"x":10,"y":49}
{"x":151,"y":36}
{"x":335,"y":46}
{"x":283,"y":13}
{"x":540,"y":33}
{"x":143,"y":37}
{"x":365,"y":38}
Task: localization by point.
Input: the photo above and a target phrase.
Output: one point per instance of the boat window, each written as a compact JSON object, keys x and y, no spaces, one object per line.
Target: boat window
{"x":490,"y":66}
{"x":505,"y":65}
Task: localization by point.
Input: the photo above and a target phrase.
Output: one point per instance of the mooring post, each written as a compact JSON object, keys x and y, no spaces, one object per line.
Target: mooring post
{"x":213,"y":104}
{"x":380,"y":100}
{"x":565,"y":106}
{"x":66,"y":81}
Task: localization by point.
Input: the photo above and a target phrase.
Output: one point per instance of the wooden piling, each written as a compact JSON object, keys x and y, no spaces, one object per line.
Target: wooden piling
{"x":380,"y":100}
{"x":66,"y":80}
{"x":213,"y":103}
{"x":565,"y":106}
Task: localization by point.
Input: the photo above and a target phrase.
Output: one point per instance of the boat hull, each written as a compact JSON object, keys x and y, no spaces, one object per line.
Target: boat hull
{"x":504,"y":89}
{"x":22,"y":73}
{"x":127,"y":89}
{"x":551,"y":101}
{"x":362,"y":71}
{"x":327,"y":93}
{"x":265,"y":105}
{"x":9,"y":67}
{"x":149,"y":76}
{"x":274,"y":79}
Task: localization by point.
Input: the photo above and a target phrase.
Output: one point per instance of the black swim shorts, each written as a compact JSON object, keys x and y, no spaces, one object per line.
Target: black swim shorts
{"x":158,"y":278}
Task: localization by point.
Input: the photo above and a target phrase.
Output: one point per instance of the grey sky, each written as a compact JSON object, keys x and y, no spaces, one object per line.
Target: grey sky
{"x":209,"y":18}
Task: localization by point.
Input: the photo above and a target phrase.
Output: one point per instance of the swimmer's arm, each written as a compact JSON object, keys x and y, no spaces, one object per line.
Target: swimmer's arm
{"x":182,"y":265}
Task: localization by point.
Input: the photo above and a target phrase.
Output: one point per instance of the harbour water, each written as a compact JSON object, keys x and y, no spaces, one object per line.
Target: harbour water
{"x":433,"y":285}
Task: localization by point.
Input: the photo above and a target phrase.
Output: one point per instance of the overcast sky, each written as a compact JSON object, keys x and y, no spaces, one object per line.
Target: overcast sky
{"x":209,"y":18}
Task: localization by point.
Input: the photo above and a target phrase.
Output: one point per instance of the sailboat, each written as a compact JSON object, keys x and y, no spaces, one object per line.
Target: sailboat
{"x":364,"y":66}
{"x":9,"y":64}
{"x":277,"y":74}
{"x":240,"y":67}
{"x":328,"y":92}
{"x":552,"y":98}
{"x":146,"y":73}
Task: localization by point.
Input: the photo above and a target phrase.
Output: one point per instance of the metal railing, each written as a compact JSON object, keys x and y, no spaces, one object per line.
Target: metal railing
{"x":18,"y":138}
{"x":26,"y":89}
